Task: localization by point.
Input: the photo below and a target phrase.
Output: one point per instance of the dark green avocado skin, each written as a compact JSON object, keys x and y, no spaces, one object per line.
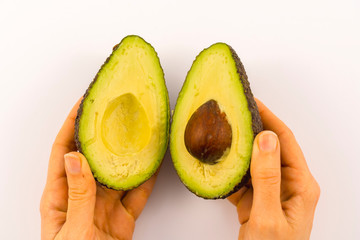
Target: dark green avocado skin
{"x":80,"y":109}
{"x":257,"y":125}
{"x":79,"y":113}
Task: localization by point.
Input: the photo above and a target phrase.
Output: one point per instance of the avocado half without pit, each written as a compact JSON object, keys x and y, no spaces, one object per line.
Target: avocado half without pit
{"x":214,"y":124}
{"x":122,"y":124}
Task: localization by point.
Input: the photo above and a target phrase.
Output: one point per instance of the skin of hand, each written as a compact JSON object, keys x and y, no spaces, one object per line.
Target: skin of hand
{"x":74,"y":206}
{"x":281,"y":201}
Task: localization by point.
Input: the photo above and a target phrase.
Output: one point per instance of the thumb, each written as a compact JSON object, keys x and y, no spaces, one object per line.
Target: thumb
{"x":266,"y":174}
{"x":82,"y":190}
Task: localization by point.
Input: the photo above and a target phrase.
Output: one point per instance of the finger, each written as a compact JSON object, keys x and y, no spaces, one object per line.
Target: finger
{"x":63,"y":144}
{"x":82,"y":190}
{"x":291,"y":153}
{"x":65,"y":136}
{"x":244,"y":206}
{"x":135,"y":200}
{"x":106,"y":201}
{"x":242,"y":232}
{"x":120,"y":222}
{"x":107,"y":194}
{"x":235,"y":197}
{"x":108,"y":207}
{"x":265,"y":172}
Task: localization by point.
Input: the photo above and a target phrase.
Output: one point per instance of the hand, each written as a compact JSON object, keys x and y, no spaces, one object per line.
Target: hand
{"x":73,"y":206}
{"x":281,"y":202}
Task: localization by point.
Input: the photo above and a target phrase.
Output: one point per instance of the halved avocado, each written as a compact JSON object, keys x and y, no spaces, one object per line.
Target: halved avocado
{"x":214,"y":124}
{"x":122,"y":124}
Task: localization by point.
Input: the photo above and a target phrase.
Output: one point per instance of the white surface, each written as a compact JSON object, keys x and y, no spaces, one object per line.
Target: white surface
{"x":302,"y":58}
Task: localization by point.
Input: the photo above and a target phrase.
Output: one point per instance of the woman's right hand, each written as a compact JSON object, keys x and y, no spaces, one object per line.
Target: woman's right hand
{"x":281,"y":202}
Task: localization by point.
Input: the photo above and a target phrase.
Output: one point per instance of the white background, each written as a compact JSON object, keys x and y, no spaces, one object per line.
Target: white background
{"x":302,"y":59}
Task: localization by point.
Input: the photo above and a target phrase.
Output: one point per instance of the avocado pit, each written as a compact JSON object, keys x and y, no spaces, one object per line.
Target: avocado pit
{"x":208,"y":133}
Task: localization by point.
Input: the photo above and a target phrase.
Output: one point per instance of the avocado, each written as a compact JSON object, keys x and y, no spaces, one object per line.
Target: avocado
{"x":214,"y":125}
{"x":122,"y":124}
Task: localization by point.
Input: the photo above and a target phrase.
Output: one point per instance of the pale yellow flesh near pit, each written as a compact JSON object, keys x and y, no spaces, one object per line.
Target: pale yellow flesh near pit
{"x":125,"y":127}
{"x":213,"y":76}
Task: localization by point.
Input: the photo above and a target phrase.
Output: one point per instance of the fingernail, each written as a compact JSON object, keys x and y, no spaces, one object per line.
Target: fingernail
{"x":72,"y":163}
{"x":267,"y":141}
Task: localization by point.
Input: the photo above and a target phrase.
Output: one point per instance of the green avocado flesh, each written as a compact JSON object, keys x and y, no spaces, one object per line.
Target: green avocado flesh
{"x":122,"y":124}
{"x":214,"y":124}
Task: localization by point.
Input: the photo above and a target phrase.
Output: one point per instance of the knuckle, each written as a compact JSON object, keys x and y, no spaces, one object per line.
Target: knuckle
{"x":47,"y":211}
{"x":59,"y":145}
{"x":311,"y":192}
{"x":315,"y":192}
{"x":50,"y":214}
{"x":269,"y":176}
{"x":144,"y":192}
{"x":43,"y":204}
{"x":271,"y":225}
{"x":290,"y":133}
{"x":42,"y":208}
{"x":79,"y":193}
{"x":243,"y":215}
{"x":243,"y":219}
{"x":286,"y":133}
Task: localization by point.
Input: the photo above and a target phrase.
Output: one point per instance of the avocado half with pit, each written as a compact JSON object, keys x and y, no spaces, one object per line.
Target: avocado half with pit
{"x":214,"y":124}
{"x":122,"y":124}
